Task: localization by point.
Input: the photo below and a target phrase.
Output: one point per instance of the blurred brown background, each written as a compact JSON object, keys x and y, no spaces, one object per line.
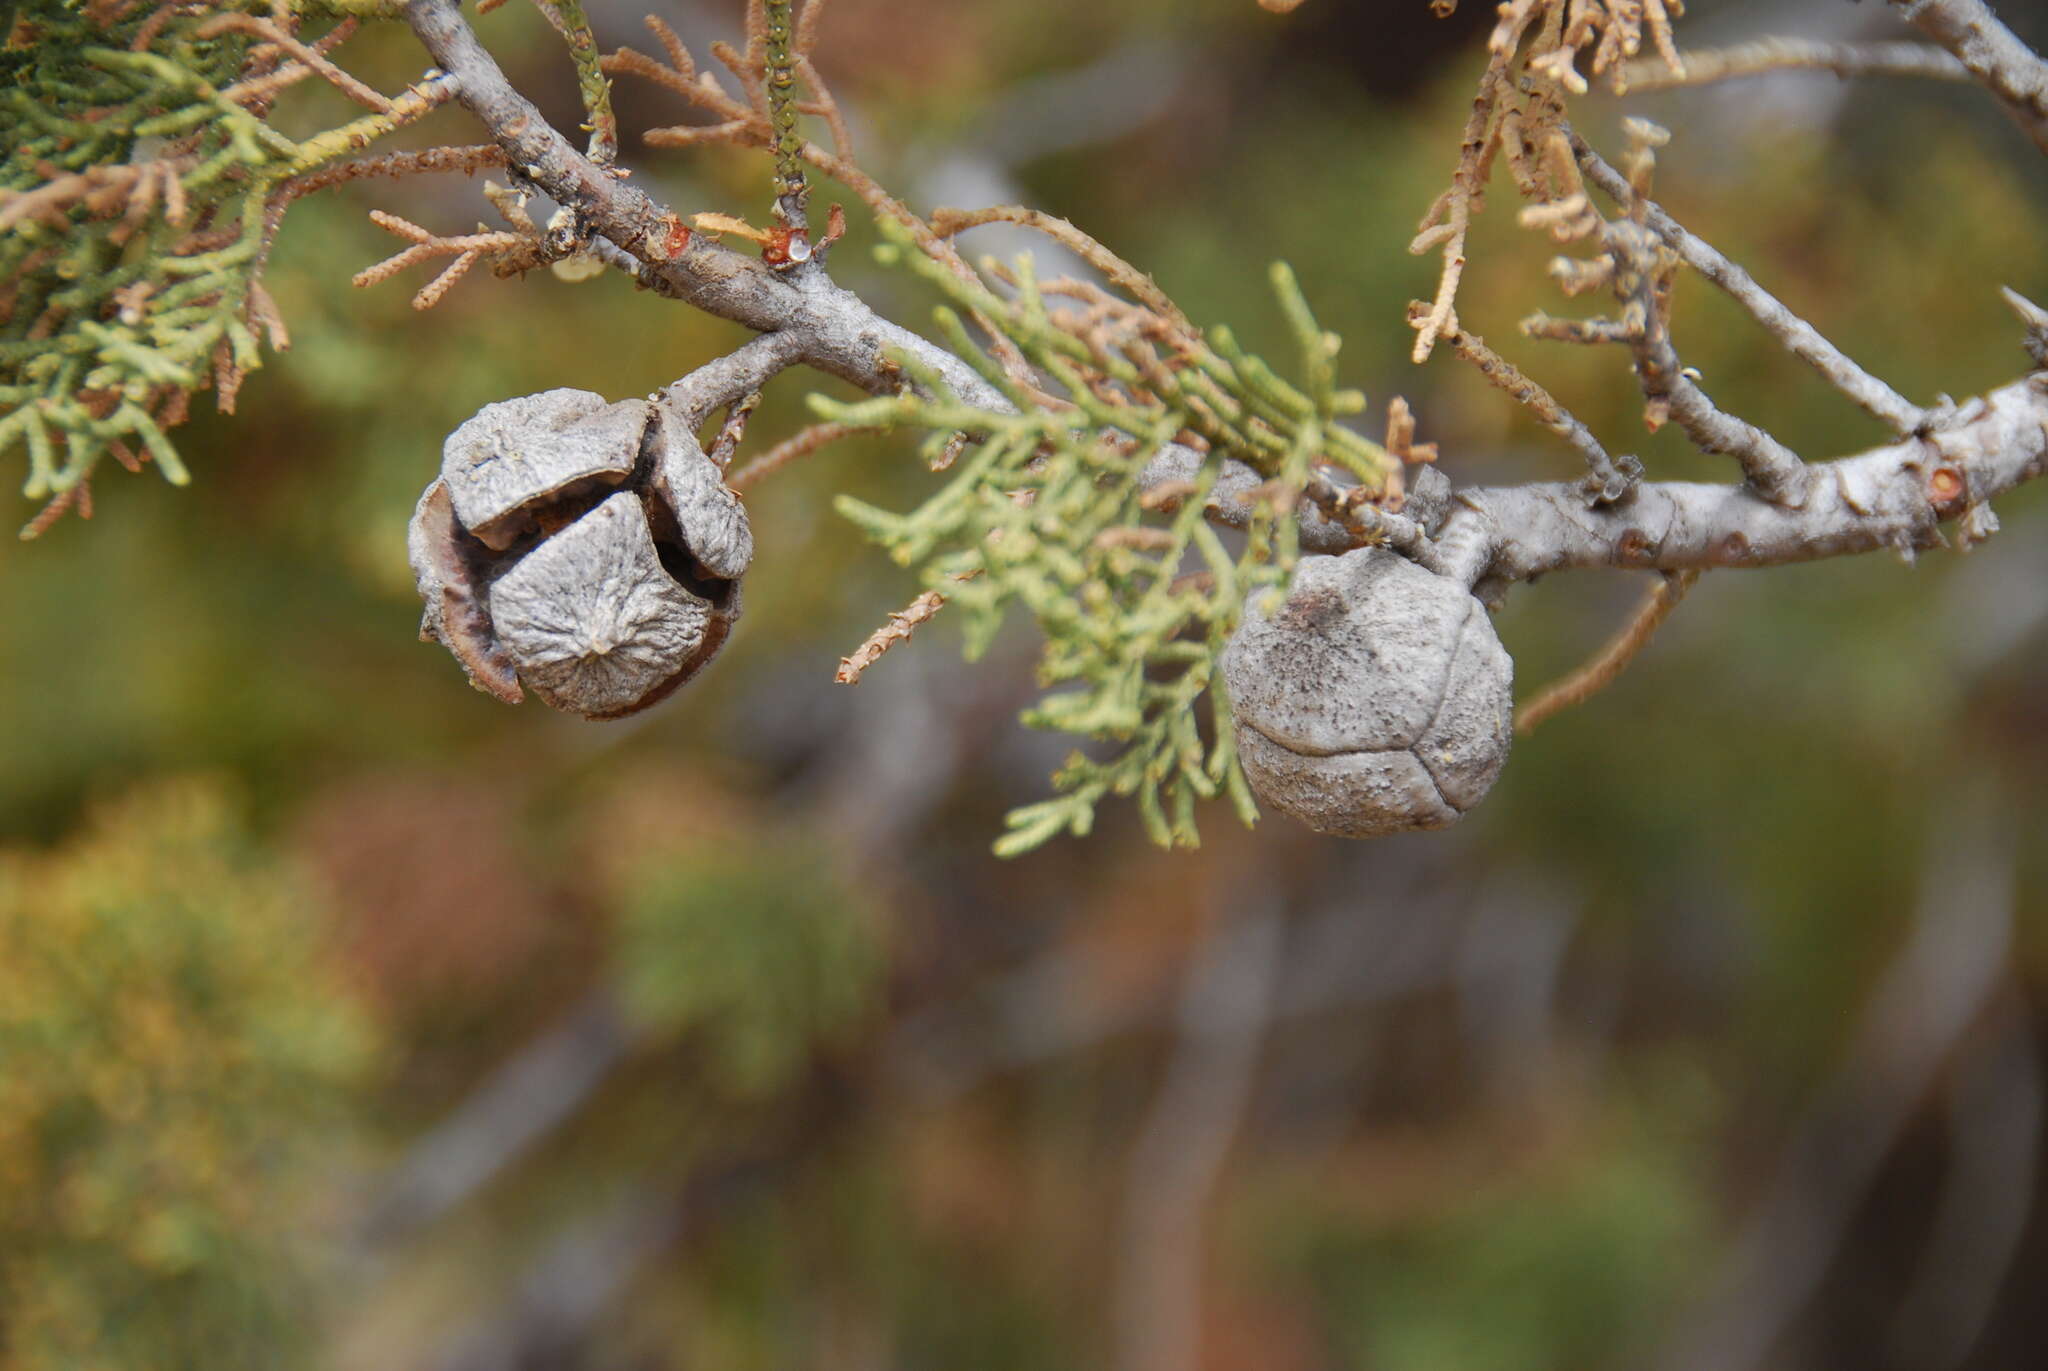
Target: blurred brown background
{"x":396,"y":1028}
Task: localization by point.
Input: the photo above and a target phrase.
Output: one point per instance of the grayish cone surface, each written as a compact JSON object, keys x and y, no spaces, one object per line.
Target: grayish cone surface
{"x":712,"y":518}
{"x":591,"y":620}
{"x":455,"y":615}
{"x":588,"y":552}
{"x":1377,"y":699}
{"x":517,"y":454}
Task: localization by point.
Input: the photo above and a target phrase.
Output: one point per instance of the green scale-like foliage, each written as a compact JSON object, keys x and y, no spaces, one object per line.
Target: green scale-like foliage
{"x":120,"y":293}
{"x":1136,"y":598}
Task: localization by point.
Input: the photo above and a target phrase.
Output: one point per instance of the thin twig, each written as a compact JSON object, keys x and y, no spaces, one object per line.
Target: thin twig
{"x":469,"y":160}
{"x":79,"y":495}
{"x":515,"y":250}
{"x":1774,"y":469}
{"x":1450,"y":218}
{"x":1400,"y":439}
{"x":570,"y":24}
{"x":1800,"y":338}
{"x":901,"y":624}
{"x":1368,"y":524}
{"x":1601,"y":670}
{"x":732,"y":429}
{"x":1605,"y":474}
{"x":268,"y":30}
{"x":801,"y":444}
{"x":1121,"y":274}
{"x":749,"y":125}
{"x":778,"y":59}
{"x":1564,"y":29}
{"x":101,"y":190}
{"x":1766,"y":56}
{"x":1639,"y":268}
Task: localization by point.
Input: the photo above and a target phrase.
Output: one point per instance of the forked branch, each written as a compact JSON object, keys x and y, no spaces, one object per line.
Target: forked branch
{"x":1894,"y":496}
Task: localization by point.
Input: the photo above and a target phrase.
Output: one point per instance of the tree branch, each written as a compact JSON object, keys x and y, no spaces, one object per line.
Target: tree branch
{"x":1607,"y":479}
{"x":732,"y":377}
{"x":829,"y":328}
{"x":1606,"y":665}
{"x":1894,"y":496}
{"x":1639,"y":267}
{"x":1767,"y":56}
{"x":1802,"y":339}
{"x":2002,"y":64}
{"x":711,"y":277}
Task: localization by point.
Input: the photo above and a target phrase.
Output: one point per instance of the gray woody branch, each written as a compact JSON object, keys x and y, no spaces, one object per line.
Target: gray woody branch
{"x":2002,"y":64}
{"x":1890,"y":497}
{"x":1768,"y":55}
{"x":1893,"y":496}
{"x":814,"y":321}
{"x":1802,"y":339}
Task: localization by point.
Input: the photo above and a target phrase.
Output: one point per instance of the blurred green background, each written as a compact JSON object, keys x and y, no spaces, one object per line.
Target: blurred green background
{"x":351,"y":1019}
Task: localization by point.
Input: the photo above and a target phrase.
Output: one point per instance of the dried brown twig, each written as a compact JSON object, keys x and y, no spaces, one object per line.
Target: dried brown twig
{"x":1548,"y":68}
{"x":1119,"y":273}
{"x":1356,"y":509}
{"x":1450,"y":218}
{"x":1601,"y":670}
{"x":228,"y":374}
{"x":900,"y":626}
{"x":1400,"y":440}
{"x":1604,"y":473}
{"x":799,"y":445}
{"x":396,"y":165}
{"x":732,"y":429}
{"x":310,"y":58}
{"x":132,"y":187}
{"x":76,"y":498}
{"x":510,"y":252}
